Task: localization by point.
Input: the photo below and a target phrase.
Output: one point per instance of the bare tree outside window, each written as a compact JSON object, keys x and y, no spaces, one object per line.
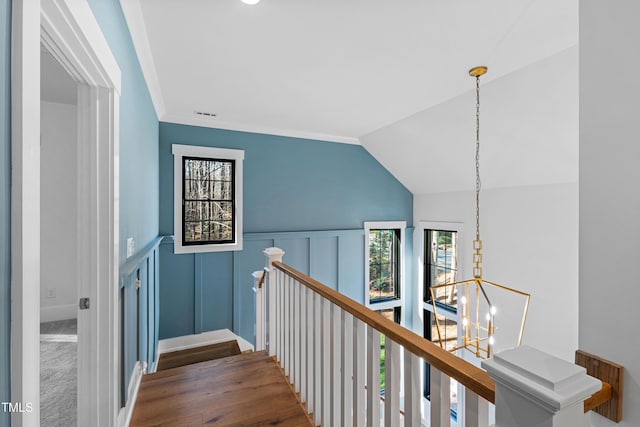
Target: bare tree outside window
{"x":384,"y":266}
{"x":208,"y":201}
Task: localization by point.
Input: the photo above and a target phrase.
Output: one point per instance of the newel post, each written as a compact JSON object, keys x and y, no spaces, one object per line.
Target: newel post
{"x":534,"y":388}
{"x":273,"y":255}
{"x":258,"y":289}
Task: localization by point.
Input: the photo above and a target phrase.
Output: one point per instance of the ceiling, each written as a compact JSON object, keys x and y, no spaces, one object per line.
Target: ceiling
{"x":346,"y":71}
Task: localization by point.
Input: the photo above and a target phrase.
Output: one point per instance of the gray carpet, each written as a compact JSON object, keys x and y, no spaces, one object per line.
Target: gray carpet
{"x":58,"y":373}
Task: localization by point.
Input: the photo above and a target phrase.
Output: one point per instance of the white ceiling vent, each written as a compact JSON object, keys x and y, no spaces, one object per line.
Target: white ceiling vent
{"x":204,"y":114}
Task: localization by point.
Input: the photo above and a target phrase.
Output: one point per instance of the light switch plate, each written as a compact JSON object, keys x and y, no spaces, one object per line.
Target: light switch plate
{"x":131,"y":246}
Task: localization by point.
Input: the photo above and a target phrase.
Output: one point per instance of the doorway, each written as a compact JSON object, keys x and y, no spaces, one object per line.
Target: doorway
{"x":59,"y":237}
{"x":70,"y":33}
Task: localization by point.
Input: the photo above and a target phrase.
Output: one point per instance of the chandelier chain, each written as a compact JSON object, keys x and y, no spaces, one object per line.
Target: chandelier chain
{"x":478,"y":183}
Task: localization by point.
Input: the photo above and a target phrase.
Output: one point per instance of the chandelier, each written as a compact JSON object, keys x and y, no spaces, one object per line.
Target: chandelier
{"x":488,"y":311}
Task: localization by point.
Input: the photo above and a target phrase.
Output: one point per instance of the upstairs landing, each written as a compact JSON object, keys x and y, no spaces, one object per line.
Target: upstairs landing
{"x":247,"y":389}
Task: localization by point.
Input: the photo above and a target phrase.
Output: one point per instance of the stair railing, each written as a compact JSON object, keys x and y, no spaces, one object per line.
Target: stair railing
{"x":329,"y":349}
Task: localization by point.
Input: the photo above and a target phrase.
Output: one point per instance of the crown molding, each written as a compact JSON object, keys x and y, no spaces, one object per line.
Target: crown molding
{"x":244,"y":127}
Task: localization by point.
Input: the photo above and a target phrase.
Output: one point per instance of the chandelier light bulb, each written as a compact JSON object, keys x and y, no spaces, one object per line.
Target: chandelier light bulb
{"x":492,"y":341}
{"x":488,"y":316}
{"x":493,"y":310}
{"x":463,"y":300}
{"x":464,"y":321}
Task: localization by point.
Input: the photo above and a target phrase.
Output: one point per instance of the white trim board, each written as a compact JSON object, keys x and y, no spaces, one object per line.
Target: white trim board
{"x":205,"y":338}
{"x":58,"y":312}
{"x":126,"y":412}
{"x":70,"y":32}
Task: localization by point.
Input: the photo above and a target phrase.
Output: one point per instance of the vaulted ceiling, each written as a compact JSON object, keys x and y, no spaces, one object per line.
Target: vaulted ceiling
{"x":390,"y":75}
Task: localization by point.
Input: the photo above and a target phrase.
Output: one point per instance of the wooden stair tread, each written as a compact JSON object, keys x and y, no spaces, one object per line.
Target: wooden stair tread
{"x":197,"y":354}
{"x":202,"y":368}
{"x":248,"y":389}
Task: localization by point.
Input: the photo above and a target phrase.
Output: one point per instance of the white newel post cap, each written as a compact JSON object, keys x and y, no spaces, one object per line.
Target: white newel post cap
{"x":539,"y":389}
{"x":273,"y":254}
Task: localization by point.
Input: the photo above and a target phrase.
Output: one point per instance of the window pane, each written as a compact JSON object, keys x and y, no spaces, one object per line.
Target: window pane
{"x":441,"y":266}
{"x":208,"y":205}
{"x":392,"y":314}
{"x":449,"y":336}
{"x":384,"y":269}
{"x":448,"y":332}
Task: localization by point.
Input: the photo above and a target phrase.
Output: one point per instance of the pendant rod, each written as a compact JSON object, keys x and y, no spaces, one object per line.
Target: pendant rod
{"x":478,"y":182}
{"x":477,"y":243}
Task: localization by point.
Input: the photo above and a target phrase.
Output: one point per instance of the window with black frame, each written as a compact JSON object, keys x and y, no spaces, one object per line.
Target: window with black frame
{"x":384,"y":265}
{"x":383,"y":275}
{"x":207,"y":199}
{"x":208,"y":205}
{"x":441,"y":268}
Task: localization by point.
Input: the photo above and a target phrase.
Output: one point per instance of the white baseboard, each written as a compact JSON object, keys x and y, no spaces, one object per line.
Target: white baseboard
{"x":153,"y":368}
{"x":58,"y":312}
{"x":205,"y":338}
{"x":125,"y":414}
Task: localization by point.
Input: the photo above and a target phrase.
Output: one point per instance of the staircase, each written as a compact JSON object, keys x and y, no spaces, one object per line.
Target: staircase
{"x":189,"y":356}
{"x":241,"y":389}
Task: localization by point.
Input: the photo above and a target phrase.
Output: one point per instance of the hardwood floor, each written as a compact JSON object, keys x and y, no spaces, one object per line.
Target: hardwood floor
{"x":198,"y":354}
{"x":244,"y":390}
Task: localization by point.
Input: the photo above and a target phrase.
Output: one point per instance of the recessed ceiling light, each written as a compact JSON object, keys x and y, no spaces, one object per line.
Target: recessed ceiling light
{"x":251,"y":2}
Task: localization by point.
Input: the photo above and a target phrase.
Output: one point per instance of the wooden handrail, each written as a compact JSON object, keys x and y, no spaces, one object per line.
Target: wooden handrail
{"x":598,"y":398}
{"x":470,"y":376}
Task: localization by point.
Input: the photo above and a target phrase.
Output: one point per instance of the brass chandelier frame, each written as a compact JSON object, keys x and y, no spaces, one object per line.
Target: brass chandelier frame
{"x":476,"y":337}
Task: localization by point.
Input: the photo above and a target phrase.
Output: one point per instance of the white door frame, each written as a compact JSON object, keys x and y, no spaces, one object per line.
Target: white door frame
{"x":68,"y":29}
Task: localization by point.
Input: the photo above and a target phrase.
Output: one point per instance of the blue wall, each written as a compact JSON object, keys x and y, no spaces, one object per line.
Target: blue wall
{"x":294,"y":184}
{"x":138,"y":133}
{"x":138,"y":190}
{"x":324,"y":191}
{"x":5,"y":204}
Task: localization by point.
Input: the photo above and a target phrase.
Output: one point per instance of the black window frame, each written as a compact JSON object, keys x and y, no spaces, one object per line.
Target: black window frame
{"x":428,"y":267}
{"x":233,"y":201}
{"x":396,"y":261}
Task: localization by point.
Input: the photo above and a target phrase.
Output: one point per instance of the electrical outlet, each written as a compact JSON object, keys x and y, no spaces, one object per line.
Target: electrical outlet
{"x":131,"y":246}
{"x":51,"y":292}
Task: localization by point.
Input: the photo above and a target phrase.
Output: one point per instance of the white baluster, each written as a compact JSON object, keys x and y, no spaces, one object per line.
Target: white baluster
{"x":373,"y":377}
{"x":311,"y":356}
{"x":412,"y":390}
{"x":359,"y":368}
{"x":476,"y":410}
{"x":272,"y":255}
{"x":273,"y":302}
{"x":290,"y":330}
{"x":281,"y":313}
{"x":326,"y":363}
{"x":440,"y":399}
{"x":336,"y":365}
{"x":317,"y":406}
{"x":287,"y":324}
{"x":258,"y":289}
{"x":304,"y":359}
{"x":347,"y":366}
{"x":295,"y":342}
{"x":392,"y":383}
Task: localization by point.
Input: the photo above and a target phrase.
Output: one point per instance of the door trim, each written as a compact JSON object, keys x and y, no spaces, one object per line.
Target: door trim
{"x":71,"y":33}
